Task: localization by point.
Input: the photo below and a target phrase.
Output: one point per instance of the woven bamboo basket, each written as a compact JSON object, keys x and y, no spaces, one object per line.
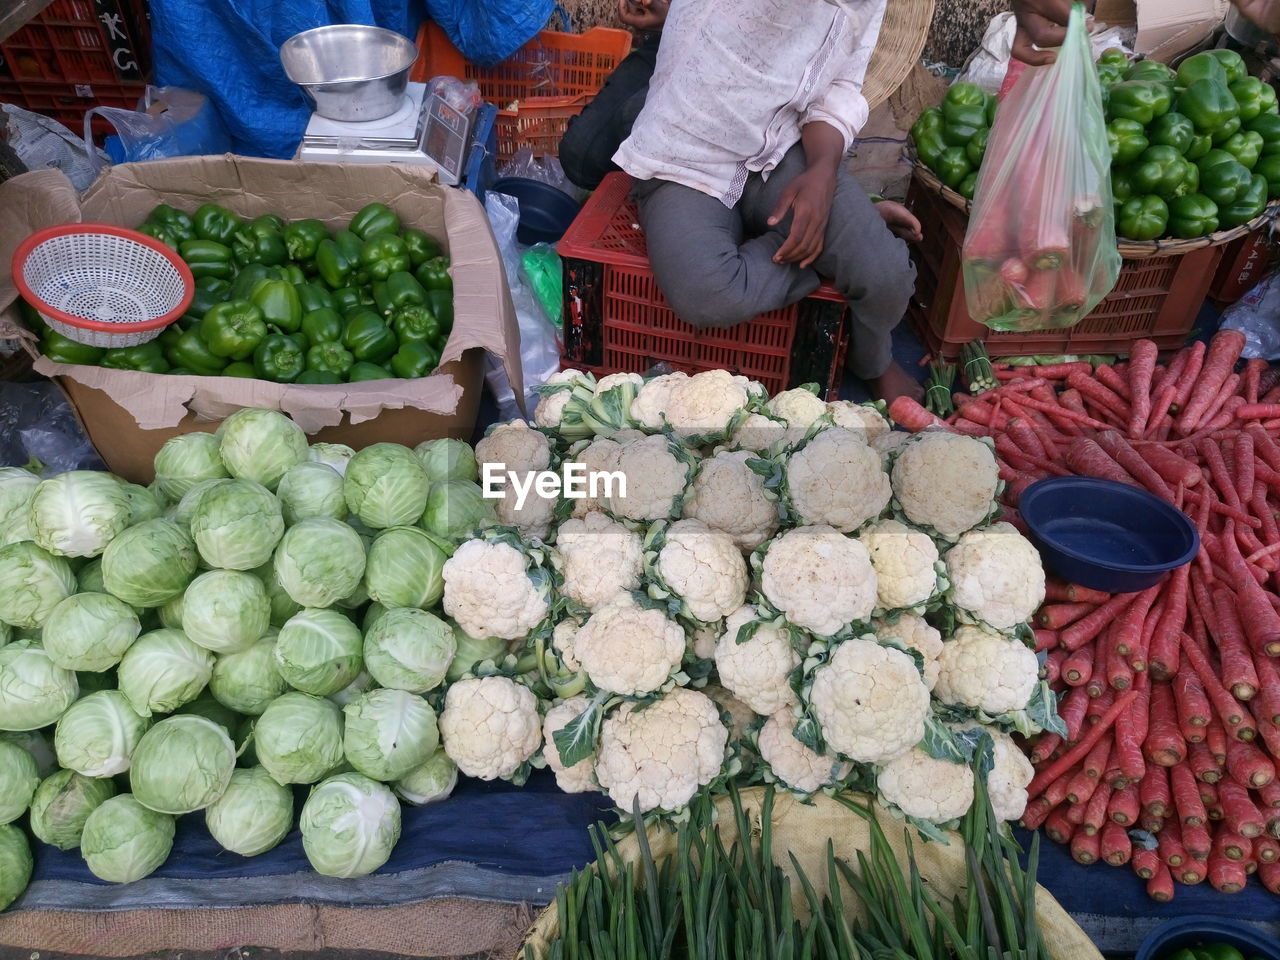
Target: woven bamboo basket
{"x":902,"y":38}
{"x":803,"y":829}
{"x":1129,"y":249}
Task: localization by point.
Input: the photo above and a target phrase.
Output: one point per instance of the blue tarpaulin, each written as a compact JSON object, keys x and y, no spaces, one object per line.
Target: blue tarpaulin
{"x":489,"y":31}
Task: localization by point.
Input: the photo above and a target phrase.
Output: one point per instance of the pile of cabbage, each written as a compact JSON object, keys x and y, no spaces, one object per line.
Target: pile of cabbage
{"x":271,"y":613}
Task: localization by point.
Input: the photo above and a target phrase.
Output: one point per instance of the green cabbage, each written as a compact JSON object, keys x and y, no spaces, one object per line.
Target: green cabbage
{"x":32,"y":582}
{"x":386,"y":486}
{"x":15,"y":864}
{"x":18,"y":781}
{"x":162,"y":671}
{"x":98,"y":734}
{"x":409,"y":649}
{"x":249,"y":680}
{"x":253,"y":814}
{"x":76,"y":514}
{"x":150,"y":564}
{"x":63,"y":802}
{"x":124,"y":841}
{"x":261,"y":445}
{"x":182,"y":764}
{"x":431,"y":780}
{"x":404,"y":569}
{"x":319,"y":652}
{"x":320,"y":562}
{"x":389,"y":732}
{"x":447,"y":459}
{"x":350,"y":825}
{"x":90,"y":632}
{"x":34,"y":691}
{"x":298,"y":738}
{"x":186,"y":460}
{"x":311,"y":490}
{"x":236,"y":525}
{"x":225,"y":611}
{"x":456,"y":509}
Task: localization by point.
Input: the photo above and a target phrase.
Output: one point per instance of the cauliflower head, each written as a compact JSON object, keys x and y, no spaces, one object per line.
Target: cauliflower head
{"x":794,"y":764}
{"x":702,"y":641}
{"x":703,"y":567}
{"x":887,"y":444}
{"x":862,"y":418}
{"x":1011,"y":773}
{"x":728,"y":495}
{"x":556,"y":393}
{"x":534,"y":519}
{"x":581,"y":777}
{"x":662,"y":754}
{"x":706,"y":407}
{"x":517,"y":445}
{"x":996,"y":576}
{"x":757,"y":672}
{"x":838,"y":480}
{"x":563,"y":637}
{"x":869,"y":701}
{"x":490,"y":727}
{"x":821,"y":580}
{"x":925,"y":788}
{"x":914,"y":632}
{"x":650,"y":404}
{"x":758,"y":433}
{"x":904,"y":560}
{"x":599,"y":559}
{"x":596,"y":456}
{"x":657,"y":471}
{"x":987,"y":671}
{"x":946,"y":481}
{"x":488,"y":592}
{"x":800,"y":408}
{"x":628,"y":650}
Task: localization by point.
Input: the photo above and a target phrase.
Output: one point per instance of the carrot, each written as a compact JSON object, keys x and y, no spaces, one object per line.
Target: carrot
{"x":1057,"y":827}
{"x":1262,"y":510}
{"x":1087,"y":742}
{"x":1151,"y":824}
{"x":1167,"y":390}
{"x":1203,"y":765}
{"x":1143,"y":355}
{"x":1060,"y":371}
{"x":1053,"y":666}
{"x":1267,"y":448}
{"x":911,"y":416}
{"x":1160,"y":884}
{"x":1163,"y":652}
{"x":1209,"y":797}
{"x":1153,"y":791}
{"x":1119,"y":673}
{"x":1109,"y":378}
{"x":1045,"y":395}
{"x":1164,"y":744}
{"x":1236,"y":662}
{"x":1088,"y":627}
{"x":1086,"y":458}
{"x":1211,"y":454}
{"x":1104,"y":398}
{"x":1057,"y":616}
{"x":1146,"y":863}
{"x":1269,"y":876}
{"x":1046,"y":640}
{"x":1260,"y":619}
{"x":1226,"y":876}
{"x":1020,"y":457}
{"x":1084,"y":782}
{"x":1058,"y":592}
{"x":1128,"y":628}
{"x":1233,"y":716}
{"x":1186,"y":798}
{"x":1215,"y":505}
{"x":1035,"y":436}
{"x":1077,"y":669}
{"x":1258,"y":411}
{"x":1223,"y":353}
{"x":1095,"y":810}
{"x":1173,"y":468}
{"x":1190,"y":374}
{"x":1266,"y":705}
{"x":1072,"y":709}
{"x":1252,"y":384}
{"x":1085,"y":846}
{"x":1132,"y":730}
{"x":1132,"y":462}
{"x":1169,"y":841}
{"x":1075,"y":813}
{"x":1240,"y":813}
{"x":1231,"y":845}
{"x":1066,"y":412}
{"x":1266,"y":849}
{"x":1036,"y":812}
{"x":1194,"y":711}
{"x":1249,"y":766}
{"x":1215,"y":738}
{"x":1244,"y":461}
{"x":1222,"y":402}
{"x":967,"y":428}
{"x":1114,"y":845}
{"x":1124,"y":807}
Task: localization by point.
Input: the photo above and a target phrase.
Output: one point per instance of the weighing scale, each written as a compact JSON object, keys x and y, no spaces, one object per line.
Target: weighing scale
{"x":425,"y":129}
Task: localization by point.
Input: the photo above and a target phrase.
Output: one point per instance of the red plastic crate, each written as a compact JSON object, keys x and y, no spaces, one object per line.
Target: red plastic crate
{"x":617,"y":320}
{"x":539,"y":88}
{"x":1157,"y":299}
{"x":1244,"y":263}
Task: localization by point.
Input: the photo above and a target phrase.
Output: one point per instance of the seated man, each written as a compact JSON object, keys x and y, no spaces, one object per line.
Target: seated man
{"x":739,"y":151}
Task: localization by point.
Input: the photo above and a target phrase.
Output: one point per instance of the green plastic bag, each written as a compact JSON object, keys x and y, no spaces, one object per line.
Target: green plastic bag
{"x":1041,"y":251}
{"x":541,"y":266}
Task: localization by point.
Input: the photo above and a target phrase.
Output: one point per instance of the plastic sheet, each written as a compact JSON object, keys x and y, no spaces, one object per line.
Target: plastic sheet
{"x":1257,"y":316}
{"x":540,"y":268}
{"x":42,"y":143}
{"x":37,"y":426}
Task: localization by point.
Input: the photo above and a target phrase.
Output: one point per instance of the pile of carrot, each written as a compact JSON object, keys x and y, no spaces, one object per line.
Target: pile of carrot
{"x":1171,"y":696}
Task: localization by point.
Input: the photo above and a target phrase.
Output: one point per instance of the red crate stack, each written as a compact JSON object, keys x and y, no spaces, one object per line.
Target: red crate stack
{"x":617,"y":320}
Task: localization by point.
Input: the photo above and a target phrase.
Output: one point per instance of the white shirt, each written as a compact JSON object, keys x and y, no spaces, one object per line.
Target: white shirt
{"x":736,"y":80}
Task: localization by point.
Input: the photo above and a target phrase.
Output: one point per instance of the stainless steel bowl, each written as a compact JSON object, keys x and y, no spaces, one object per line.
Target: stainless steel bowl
{"x":350,"y":72}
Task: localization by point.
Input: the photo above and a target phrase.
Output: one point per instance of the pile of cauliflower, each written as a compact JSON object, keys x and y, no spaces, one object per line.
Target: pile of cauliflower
{"x":787,"y":590}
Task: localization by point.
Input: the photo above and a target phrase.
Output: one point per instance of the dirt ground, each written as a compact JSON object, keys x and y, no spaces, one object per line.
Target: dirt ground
{"x":239,"y":953}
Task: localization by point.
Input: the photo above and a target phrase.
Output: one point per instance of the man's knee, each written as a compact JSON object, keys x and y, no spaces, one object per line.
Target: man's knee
{"x":580,"y":150}
{"x":701,"y":305}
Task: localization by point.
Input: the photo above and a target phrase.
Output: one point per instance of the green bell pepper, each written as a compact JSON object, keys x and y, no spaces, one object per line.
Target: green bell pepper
{"x":331,"y":358}
{"x":361,"y":371}
{"x":158,"y":231}
{"x":1200,"y":145}
{"x":1213,"y":158}
{"x":434,"y":274}
{"x":302,"y":239}
{"x":242,"y":369}
{"x":335,"y":263}
{"x":1203,"y":66}
{"x":1162,"y":171}
{"x":976,"y":148}
{"x":441,"y":304}
{"x":293,"y":273}
{"x":212,"y":222}
{"x":312,"y":296}
{"x":1269,"y":167}
{"x":384,"y":255}
{"x":929,"y":121}
{"x":278,"y":301}
{"x":234,"y":329}
{"x":62,"y":349}
{"x":1209,"y":105}
{"x":964,"y":95}
{"x":415,"y":358}
{"x":1227,"y":131}
{"x":1249,"y":204}
{"x":1246,"y":146}
{"x":1232,"y":63}
{"x":209,"y":291}
{"x":322,"y":326}
{"x":250,"y":276}
{"x":170,"y":336}
{"x":145,"y":358}
{"x":1194,"y":215}
{"x":415,"y":322}
{"x":929,"y":147}
{"x":374,"y":220}
{"x":1113,"y":56}
{"x":179,"y":224}
{"x":1143,"y":218}
{"x":259,"y":246}
{"x":346,"y":299}
{"x":207,"y":258}
{"x":1110,"y":74}
{"x":267,"y":222}
{"x":1225,"y":183}
{"x":421,"y":246}
{"x":1127,"y":140}
{"x":1139,"y":100}
{"x":278,"y":358}
{"x":968,"y":186}
{"x":403,"y":290}
{"x":368,"y":338}
{"x":1172,"y":130}
{"x":190,"y":351}
{"x":1151,"y":71}
{"x":1268,"y":126}
{"x":318,"y":377}
{"x":1121,"y":187}
{"x":1254,"y":97}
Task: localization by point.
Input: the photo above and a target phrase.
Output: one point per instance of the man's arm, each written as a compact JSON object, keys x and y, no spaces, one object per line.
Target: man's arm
{"x":808,"y":197}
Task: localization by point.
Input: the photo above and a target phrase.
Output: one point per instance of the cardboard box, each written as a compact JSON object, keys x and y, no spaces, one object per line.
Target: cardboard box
{"x":1166,"y":28}
{"x":128,"y":415}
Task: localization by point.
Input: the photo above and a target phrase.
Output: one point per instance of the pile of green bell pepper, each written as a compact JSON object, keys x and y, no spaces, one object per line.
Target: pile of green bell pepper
{"x":1193,"y":151}
{"x":1209,"y":951}
{"x":291,"y":302}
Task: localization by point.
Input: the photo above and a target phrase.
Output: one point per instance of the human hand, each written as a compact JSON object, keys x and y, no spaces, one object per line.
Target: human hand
{"x":808,"y":198}
{"x":643,"y":15}
{"x":1264,"y":13}
{"x":1043,"y":23}
{"x":900,"y":221}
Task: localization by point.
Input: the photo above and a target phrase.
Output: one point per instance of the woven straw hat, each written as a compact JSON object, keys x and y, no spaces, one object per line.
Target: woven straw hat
{"x":902,"y":38}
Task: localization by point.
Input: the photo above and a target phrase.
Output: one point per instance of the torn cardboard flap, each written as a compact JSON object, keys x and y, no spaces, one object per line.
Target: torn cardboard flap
{"x":1166,"y":28}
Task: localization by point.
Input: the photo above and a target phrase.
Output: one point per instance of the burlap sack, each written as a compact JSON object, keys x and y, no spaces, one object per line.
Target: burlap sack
{"x":803,"y":829}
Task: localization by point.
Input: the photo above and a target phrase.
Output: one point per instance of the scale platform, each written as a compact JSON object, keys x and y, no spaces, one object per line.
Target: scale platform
{"x":425,"y":130}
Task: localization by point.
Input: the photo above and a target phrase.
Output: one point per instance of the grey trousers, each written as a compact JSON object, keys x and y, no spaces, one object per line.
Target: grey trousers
{"x":715,"y":267}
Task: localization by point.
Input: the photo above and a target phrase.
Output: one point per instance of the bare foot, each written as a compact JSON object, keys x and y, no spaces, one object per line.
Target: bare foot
{"x":893,"y":383}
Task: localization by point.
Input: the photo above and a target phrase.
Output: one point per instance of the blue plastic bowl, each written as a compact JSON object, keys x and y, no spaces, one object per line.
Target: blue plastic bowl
{"x":1202,"y":931}
{"x":1106,"y":535}
{"x":545,"y":212}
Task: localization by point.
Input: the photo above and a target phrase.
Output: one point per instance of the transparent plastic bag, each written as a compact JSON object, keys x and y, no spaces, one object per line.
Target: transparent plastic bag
{"x":169,"y":122}
{"x":1257,"y":316}
{"x":1041,"y":251}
